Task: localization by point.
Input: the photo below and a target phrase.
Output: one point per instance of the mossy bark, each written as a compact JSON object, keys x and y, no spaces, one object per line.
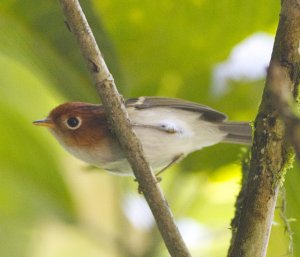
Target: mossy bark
{"x":271,"y":153}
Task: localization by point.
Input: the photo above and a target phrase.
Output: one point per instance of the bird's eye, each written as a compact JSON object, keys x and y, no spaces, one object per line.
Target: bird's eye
{"x":73,"y":122}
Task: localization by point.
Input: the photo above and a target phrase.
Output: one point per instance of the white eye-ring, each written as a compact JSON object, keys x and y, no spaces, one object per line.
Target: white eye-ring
{"x":73,"y":123}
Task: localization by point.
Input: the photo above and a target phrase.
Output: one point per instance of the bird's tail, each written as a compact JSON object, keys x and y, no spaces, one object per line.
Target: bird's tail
{"x":238,"y":132}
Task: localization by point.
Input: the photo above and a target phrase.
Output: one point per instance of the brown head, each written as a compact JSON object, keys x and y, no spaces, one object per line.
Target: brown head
{"x":77,"y":124}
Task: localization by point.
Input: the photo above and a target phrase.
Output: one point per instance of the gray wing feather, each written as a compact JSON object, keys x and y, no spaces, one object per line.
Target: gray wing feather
{"x":207,"y":113}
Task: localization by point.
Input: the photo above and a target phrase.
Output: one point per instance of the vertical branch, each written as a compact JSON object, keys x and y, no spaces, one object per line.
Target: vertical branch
{"x":270,"y":151}
{"x":120,"y":125}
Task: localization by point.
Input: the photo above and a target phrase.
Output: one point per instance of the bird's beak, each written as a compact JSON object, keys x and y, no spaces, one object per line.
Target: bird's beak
{"x":45,"y":123}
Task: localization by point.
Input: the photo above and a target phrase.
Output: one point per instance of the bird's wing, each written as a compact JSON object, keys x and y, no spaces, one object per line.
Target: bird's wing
{"x":206,"y":113}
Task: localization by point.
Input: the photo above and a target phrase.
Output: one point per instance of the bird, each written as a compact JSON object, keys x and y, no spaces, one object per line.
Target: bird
{"x":169,"y":129}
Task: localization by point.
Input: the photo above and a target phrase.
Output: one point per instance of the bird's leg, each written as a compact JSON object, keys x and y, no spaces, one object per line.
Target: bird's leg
{"x":159,"y":179}
{"x":174,"y":160}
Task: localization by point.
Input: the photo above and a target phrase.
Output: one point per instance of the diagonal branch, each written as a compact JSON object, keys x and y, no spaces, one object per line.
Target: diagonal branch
{"x":271,"y":153}
{"x":120,"y":125}
{"x":281,"y":85}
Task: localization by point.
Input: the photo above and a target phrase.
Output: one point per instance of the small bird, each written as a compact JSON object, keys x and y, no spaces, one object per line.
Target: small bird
{"x":168,"y":128}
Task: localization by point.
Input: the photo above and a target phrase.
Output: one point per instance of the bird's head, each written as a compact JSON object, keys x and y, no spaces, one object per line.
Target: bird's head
{"x":77,"y":124}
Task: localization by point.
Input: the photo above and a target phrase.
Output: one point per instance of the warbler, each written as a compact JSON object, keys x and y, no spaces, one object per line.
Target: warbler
{"x":168,"y":128}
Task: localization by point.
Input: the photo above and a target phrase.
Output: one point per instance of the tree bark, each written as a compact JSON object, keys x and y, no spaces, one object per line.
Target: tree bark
{"x":271,"y":153}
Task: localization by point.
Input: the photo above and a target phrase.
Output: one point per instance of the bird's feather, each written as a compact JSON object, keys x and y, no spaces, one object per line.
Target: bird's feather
{"x":206,"y":113}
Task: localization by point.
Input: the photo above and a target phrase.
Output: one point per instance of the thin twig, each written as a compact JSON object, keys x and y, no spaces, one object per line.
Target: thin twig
{"x":120,"y":125}
{"x":286,"y":222}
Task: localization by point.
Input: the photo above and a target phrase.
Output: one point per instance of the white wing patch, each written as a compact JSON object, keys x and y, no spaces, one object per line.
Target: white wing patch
{"x":170,"y":127}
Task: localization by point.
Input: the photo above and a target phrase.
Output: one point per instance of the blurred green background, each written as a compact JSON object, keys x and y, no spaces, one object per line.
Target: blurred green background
{"x":52,"y":205}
